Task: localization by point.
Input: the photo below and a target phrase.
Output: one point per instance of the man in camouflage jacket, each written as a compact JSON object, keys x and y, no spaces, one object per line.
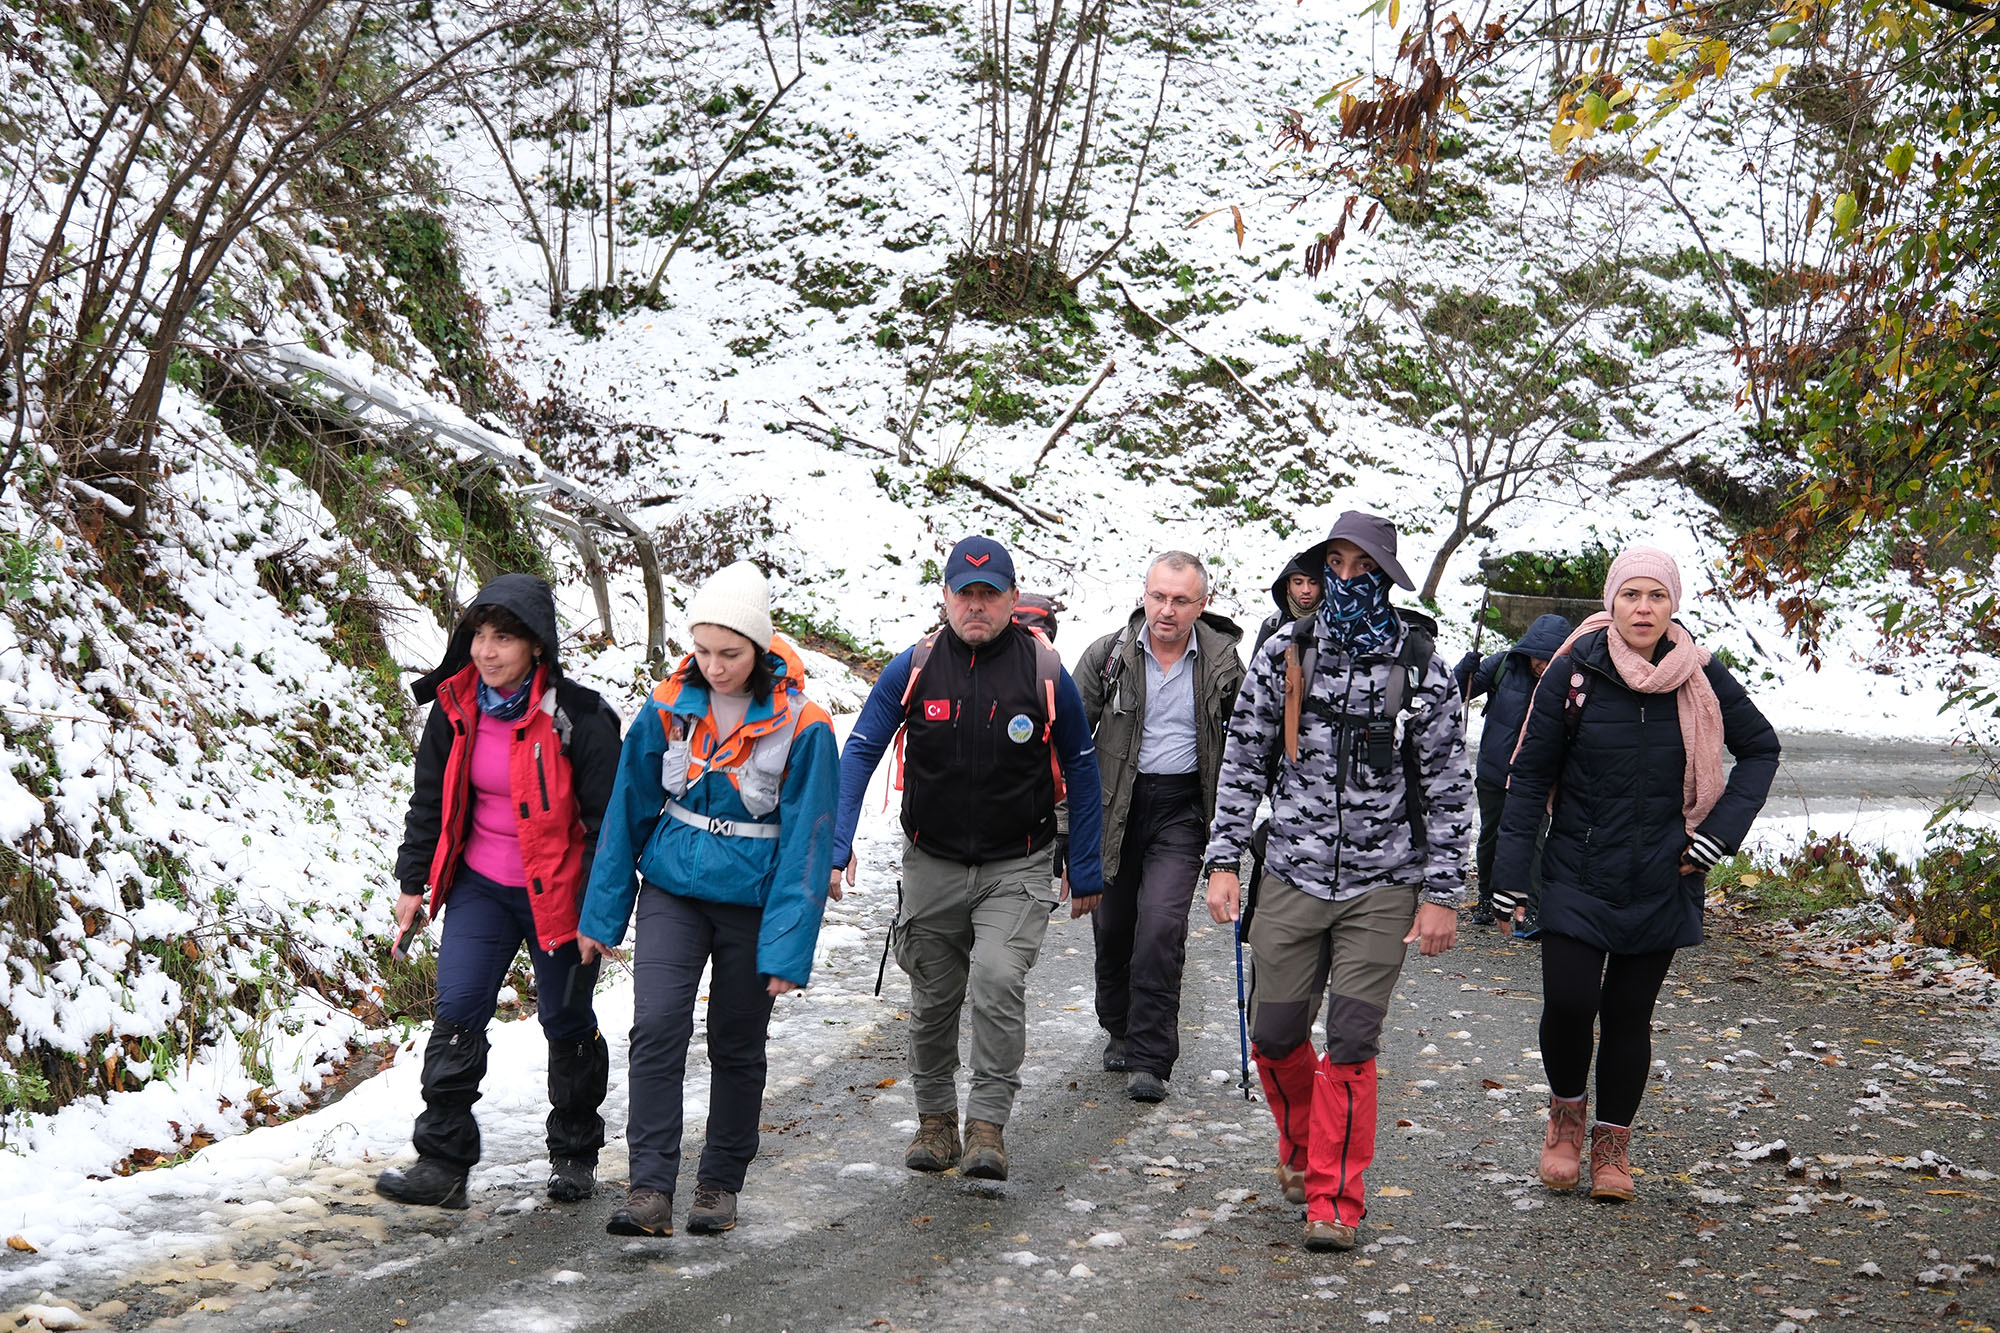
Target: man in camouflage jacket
{"x":1352,"y":876}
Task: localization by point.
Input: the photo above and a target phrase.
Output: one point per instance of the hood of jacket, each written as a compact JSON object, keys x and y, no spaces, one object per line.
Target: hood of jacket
{"x":530,"y":599}
{"x":1543,"y":638}
{"x":1310,"y":562}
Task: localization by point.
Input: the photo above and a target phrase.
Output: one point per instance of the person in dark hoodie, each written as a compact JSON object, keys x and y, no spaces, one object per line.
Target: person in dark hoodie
{"x":1297,"y":591}
{"x":1508,"y":680}
{"x":512,"y":777}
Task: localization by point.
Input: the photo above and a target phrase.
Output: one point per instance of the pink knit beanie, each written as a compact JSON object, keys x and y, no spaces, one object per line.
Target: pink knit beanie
{"x":1643,"y":562}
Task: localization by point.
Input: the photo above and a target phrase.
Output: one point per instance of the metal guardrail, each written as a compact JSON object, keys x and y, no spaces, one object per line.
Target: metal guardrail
{"x":377,"y":410}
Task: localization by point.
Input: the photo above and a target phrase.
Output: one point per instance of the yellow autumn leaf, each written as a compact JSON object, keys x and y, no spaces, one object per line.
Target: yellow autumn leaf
{"x":1392,"y":1192}
{"x":21,"y":1243}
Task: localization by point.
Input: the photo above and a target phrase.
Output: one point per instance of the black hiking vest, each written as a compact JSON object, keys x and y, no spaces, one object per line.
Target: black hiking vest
{"x":978,"y":784}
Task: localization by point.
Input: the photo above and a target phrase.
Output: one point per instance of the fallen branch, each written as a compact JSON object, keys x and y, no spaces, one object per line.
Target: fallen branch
{"x":1035,"y":514}
{"x":1172,"y":332}
{"x":1069,"y":417}
{"x":837,"y":439}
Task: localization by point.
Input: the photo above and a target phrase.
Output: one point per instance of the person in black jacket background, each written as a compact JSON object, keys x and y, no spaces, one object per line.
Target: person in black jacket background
{"x":1623,"y":748}
{"x":1297,"y":592}
{"x":1508,"y":680}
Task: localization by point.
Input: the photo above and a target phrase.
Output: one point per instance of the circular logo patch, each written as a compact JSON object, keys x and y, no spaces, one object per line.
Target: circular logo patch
{"x":1019,"y":728}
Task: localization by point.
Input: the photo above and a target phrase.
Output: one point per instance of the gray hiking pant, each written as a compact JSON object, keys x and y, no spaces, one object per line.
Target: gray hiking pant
{"x":967,"y":935}
{"x":1305,"y":947}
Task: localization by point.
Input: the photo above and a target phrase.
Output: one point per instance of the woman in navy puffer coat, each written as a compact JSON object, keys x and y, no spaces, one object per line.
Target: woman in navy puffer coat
{"x":1626,"y":731}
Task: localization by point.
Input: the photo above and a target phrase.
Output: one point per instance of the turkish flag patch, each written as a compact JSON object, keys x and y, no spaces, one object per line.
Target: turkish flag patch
{"x":937,"y":710}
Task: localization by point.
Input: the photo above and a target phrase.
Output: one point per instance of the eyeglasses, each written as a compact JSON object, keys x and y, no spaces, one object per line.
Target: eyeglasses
{"x":1160,"y":599}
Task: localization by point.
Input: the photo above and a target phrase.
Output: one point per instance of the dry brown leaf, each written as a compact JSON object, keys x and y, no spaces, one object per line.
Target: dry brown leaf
{"x":21,"y":1243}
{"x":886,"y":1083}
{"x":1392,"y":1192}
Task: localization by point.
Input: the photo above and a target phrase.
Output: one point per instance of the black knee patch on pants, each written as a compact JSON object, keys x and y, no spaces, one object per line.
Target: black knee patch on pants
{"x":1353,"y":1030}
{"x":1281,"y":1027}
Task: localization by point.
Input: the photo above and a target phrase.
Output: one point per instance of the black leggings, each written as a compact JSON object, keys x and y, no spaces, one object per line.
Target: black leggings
{"x":1582,"y":987}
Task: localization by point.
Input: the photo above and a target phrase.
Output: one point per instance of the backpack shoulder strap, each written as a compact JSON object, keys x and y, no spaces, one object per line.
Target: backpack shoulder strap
{"x":1414,"y":660}
{"x":919,"y":655}
{"x":1301,"y":660}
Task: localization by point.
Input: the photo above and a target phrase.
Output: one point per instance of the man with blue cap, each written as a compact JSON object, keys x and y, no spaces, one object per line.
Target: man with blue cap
{"x":994,"y":731}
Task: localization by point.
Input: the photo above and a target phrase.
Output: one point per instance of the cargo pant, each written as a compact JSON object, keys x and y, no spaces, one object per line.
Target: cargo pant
{"x":1351,"y":953}
{"x":966,"y":936}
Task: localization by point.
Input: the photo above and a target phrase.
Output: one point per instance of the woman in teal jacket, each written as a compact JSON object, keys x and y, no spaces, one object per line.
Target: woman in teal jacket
{"x":725,"y":801}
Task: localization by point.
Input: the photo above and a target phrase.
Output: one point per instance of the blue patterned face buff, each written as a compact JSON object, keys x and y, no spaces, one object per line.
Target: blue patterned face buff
{"x":504,"y":707}
{"x":1357,"y":614}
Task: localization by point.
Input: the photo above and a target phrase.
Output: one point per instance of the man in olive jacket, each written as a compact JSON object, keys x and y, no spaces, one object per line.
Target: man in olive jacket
{"x":1157,"y":694}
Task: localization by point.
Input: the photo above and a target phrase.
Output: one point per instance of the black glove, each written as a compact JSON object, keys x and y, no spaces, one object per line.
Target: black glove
{"x":1061,"y":849}
{"x":1462,"y":673}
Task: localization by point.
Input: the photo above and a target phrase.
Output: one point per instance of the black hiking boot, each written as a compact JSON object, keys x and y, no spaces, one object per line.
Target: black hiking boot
{"x":428,"y":1182}
{"x":1114,"y":1056}
{"x":571,"y":1180}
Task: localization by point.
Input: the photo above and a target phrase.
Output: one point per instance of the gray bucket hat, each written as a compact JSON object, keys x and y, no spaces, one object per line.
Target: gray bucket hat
{"x":1374,"y":534}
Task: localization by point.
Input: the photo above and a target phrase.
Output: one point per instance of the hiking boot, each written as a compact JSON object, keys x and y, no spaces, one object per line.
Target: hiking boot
{"x":935,"y":1148}
{"x":1527,"y":929}
{"x":428,"y":1182}
{"x":571,"y":1180}
{"x":1562,"y":1145}
{"x":985,"y":1155}
{"x":1323,"y":1235}
{"x":1292,"y":1182}
{"x":646,"y":1213}
{"x":1611,"y":1163}
{"x":1144,"y":1087}
{"x":712,"y":1212}
{"x":1482,"y":915}
{"x":1114,"y":1056}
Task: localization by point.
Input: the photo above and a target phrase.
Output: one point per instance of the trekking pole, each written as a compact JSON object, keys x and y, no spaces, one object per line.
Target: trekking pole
{"x":1242,"y":1018}
{"x":882,"y":970}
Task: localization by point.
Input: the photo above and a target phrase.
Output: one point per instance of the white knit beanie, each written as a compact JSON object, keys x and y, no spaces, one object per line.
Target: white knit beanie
{"x":735,"y":597}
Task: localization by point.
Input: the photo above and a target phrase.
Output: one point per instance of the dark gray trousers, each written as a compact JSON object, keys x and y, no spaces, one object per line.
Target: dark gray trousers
{"x":677,"y":937}
{"x":1141,"y":925}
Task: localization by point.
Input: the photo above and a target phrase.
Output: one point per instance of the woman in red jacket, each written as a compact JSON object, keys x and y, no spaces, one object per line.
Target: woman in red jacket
{"x":513,"y":773}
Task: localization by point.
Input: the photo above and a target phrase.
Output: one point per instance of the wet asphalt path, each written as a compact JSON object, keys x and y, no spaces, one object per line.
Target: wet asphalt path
{"x":1825,"y":774}
{"x":1121,"y":1216}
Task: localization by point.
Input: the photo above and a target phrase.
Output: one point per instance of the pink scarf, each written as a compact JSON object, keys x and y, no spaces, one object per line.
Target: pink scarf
{"x":1700,"y":711}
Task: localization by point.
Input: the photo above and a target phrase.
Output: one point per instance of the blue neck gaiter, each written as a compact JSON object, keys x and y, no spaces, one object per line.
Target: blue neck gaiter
{"x":504,"y":707}
{"x":1357,"y":614}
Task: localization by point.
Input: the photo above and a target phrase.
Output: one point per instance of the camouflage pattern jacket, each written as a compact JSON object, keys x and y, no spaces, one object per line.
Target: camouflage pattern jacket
{"x":1337,"y":839}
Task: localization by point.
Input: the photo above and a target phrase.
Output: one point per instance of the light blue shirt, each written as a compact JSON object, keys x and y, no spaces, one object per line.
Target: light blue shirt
{"x":1167,"y":740}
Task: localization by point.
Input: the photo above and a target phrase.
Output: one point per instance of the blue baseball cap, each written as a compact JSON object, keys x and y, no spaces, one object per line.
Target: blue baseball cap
{"x":979,"y":560}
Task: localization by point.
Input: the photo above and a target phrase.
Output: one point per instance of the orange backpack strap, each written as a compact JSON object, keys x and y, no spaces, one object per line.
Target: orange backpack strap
{"x":919,"y":655}
{"x":1295,"y":688}
{"x":1048,"y":670}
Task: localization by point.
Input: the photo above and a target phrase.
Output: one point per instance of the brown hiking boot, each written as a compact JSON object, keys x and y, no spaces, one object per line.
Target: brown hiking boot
{"x":1323,"y":1235}
{"x":712,"y":1212}
{"x":646,"y":1213}
{"x":1562,"y":1146}
{"x":1292,"y":1182}
{"x":935,"y":1148}
{"x":985,"y":1155}
{"x":1611,"y":1163}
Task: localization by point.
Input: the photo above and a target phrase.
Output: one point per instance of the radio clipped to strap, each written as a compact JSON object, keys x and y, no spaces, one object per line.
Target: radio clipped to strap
{"x":725,"y":828}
